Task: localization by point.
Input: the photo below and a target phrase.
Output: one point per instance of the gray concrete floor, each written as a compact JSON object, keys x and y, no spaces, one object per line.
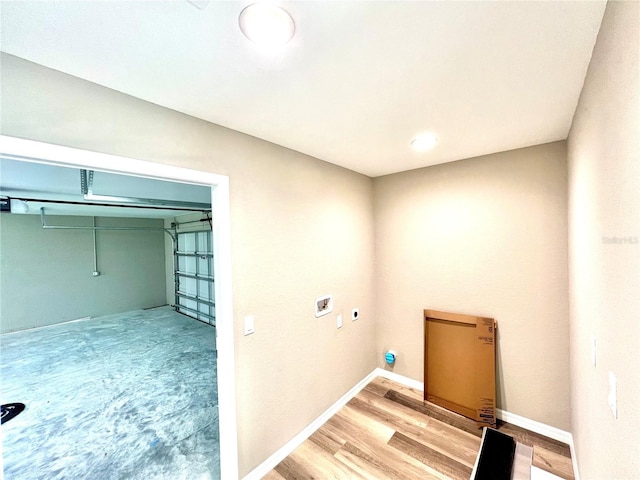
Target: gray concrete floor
{"x":126,"y":396}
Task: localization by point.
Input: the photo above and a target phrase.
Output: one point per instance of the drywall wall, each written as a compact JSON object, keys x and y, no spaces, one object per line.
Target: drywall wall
{"x":485,"y":236}
{"x":604,"y":219}
{"x":300,"y":228}
{"x":47,"y":275}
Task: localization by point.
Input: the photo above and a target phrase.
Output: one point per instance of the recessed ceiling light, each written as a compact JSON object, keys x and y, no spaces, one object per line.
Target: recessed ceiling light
{"x":266,"y":24}
{"x":424,"y":141}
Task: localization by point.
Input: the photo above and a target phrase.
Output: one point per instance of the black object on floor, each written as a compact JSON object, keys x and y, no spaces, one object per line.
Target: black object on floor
{"x":496,"y":456}
{"x":10,"y":410}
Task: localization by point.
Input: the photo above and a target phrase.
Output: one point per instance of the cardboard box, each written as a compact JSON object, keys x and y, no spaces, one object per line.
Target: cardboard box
{"x":459,"y":364}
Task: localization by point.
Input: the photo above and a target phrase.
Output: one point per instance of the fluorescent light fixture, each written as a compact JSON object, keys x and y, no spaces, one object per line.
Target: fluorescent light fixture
{"x":424,"y":141}
{"x":266,"y":24}
{"x":19,"y":206}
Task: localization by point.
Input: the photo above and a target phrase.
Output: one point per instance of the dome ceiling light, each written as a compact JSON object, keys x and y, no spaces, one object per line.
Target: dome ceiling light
{"x":266,"y":24}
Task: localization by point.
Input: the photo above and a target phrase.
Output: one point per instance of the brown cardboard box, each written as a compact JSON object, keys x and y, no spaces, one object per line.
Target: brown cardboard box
{"x":459,"y":364}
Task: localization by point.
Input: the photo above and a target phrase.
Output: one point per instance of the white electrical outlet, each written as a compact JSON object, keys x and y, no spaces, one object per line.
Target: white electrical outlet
{"x":593,"y":350}
{"x":613,"y":395}
{"x":249,"y":325}
{"x":339,"y":321}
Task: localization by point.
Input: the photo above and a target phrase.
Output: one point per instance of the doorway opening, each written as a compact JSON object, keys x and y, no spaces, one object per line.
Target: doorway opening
{"x":31,"y":151}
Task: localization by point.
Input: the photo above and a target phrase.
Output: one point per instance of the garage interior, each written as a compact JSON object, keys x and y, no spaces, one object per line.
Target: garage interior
{"x":108,"y":325}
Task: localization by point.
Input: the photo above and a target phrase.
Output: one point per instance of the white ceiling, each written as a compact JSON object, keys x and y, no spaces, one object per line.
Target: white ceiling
{"x":357,"y":81}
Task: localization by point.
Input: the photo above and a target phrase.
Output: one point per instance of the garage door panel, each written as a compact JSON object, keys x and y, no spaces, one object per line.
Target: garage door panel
{"x":194,"y":276}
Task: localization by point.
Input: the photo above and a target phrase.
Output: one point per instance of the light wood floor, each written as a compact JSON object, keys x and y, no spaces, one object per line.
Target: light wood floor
{"x":388,"y":432}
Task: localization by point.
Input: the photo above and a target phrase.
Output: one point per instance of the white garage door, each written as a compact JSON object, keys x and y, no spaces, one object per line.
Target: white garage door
{"x":194,"y":276}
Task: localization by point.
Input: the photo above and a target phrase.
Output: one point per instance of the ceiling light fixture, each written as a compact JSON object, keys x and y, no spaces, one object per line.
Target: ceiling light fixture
{"x":266,"y":24}
{"x":424,"y":141}
{"x":19,"y":206}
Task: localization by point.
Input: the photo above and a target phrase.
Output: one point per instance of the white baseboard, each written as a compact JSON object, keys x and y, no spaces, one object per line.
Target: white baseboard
{"x":523,"y":422}
{"x":48,"y":326}
{"x":282,"y":453}
{"x":532,"y":425}
{"x":574,"y":459}
{"x":401,"y":379}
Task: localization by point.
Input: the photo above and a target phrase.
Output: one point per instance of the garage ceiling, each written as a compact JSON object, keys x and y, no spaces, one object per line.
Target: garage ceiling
{"x":60,"y":192}
{"x":358,"y":80}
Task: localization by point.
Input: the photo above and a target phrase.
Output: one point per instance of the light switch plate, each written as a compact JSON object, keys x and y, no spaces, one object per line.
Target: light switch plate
{"x":249,"y":325}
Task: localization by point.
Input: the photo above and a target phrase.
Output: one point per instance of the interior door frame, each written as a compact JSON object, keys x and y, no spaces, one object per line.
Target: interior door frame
{"x":40,"y":152}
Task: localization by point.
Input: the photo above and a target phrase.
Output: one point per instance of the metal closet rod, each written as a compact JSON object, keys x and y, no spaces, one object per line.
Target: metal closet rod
{"x":43,"y":221}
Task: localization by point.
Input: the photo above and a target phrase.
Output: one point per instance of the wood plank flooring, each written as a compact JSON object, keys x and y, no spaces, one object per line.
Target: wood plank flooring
{"x":387,"y":431}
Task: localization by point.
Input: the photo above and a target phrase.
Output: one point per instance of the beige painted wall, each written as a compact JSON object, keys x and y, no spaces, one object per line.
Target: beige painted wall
{"x":300,"y":228}
{"x":604,"y":215}
{"x":484,"y":236}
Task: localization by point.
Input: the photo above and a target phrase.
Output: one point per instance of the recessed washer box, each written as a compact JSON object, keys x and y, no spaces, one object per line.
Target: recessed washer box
{"x":324,"y":305}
